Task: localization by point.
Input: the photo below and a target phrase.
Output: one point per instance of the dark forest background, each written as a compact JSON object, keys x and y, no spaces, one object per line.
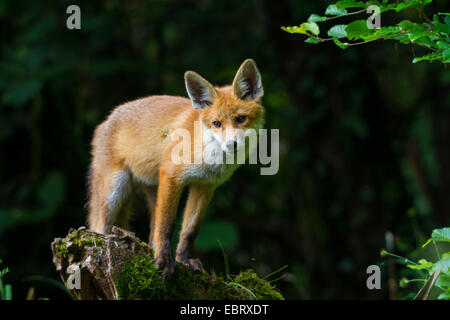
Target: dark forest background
{"x":364,"y":136}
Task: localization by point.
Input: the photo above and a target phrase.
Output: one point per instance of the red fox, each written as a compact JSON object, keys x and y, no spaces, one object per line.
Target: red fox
{"x":132,"y":148}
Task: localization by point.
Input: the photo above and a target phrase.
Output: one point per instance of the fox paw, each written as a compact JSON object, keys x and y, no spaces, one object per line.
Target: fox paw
{"x":194,"y":264}
{"x":165,"y":263}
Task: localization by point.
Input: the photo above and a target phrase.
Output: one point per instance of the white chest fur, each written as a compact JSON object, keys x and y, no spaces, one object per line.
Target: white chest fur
{"x":212,"y":167}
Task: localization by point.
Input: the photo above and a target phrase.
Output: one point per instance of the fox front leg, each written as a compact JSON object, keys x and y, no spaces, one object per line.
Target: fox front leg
{"x":168,"y":195}
{"x":198,"y":200}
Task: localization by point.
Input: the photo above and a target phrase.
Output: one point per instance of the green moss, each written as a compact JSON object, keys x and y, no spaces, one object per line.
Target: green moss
{"x":261,"y":288}
{"x":83,"y":238}
{"x":79,"y":238}
{"x":188,"y":285}
{"x":184,"y":283}
{"x":147,"y":246}
{"x":61,"y":250}
{"x":140,"y":280}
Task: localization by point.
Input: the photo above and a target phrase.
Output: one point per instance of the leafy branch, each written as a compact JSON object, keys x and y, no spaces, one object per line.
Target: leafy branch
{"x":437,"y":274}
{"x":434,"y":35}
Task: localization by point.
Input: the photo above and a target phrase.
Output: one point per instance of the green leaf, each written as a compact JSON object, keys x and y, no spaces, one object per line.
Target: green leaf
{"x":447,"y":20}
{"x":411,"y":3}
{"x":403,"y":6}
{"x":406,"y":24}
{"x":430,"y":57}
{"x":440,"y":27}
{"x":417,"y":34}
{"x":425,"y":41}
{"x":446,"y":59}
{"x":332,"y":10}
{"x":443,"y":264}
{"x":311,"y":27}
{"x":441,"y":234}
{"x":357,"y":29}
{"x":312,"y":40}
{"x":443,"y":44}
{"x":340,"y":44}
{"x":316,"y":18}
{"x":294,"y":29}
{"x":344,"y":4}
{"x":445,"y":295}
{"x":444,"y":280}
{"x":305,"y":28}
{"x":386,"y":7}
{"x":338,"y":31}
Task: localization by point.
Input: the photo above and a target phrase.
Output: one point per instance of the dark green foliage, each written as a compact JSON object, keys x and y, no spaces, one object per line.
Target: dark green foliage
{"x":364,"y":134}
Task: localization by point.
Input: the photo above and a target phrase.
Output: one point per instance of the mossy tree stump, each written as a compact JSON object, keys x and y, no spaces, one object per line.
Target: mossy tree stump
{"x":120,"y":266}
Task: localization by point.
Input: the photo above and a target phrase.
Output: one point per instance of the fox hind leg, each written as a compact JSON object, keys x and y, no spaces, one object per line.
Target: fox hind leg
{"x":109,"y":200}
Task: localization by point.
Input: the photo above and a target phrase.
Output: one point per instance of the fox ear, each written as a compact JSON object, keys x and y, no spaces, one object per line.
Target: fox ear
{"x":247,"y":84}
{"x":200,"y":91}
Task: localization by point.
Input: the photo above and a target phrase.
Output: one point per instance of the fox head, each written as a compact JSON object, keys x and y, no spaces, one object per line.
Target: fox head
{"x":229,"y":112}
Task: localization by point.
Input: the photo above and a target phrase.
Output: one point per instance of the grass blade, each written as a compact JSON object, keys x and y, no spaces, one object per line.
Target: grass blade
{"x":225,"y":259}
{"x":274,"y":272}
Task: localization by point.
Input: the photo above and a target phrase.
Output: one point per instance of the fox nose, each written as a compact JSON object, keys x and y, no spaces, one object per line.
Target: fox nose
{"x":231,"y":145}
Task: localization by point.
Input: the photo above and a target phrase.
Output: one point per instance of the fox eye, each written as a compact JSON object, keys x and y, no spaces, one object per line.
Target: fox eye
{"x":217,"y":124}
{"x":241,"y":119}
